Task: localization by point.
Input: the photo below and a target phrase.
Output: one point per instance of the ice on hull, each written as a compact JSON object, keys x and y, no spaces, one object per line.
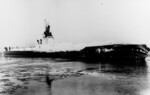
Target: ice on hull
{"x":46,"y":47}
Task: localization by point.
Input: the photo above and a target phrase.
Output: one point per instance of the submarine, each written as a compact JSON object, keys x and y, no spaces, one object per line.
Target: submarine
{"x":101,"y":52}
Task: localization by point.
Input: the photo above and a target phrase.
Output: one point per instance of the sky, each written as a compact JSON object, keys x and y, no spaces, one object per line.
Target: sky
{"x":75,"y":21}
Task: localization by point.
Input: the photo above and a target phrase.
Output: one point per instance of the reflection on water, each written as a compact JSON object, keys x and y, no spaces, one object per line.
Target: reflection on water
{"x":27,"y":76}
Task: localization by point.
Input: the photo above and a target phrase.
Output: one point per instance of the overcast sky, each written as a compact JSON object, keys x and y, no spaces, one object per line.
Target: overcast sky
{"x":77,"y":21}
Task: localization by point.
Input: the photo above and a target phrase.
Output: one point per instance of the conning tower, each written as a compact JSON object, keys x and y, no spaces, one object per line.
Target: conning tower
{"x":48,"y":37}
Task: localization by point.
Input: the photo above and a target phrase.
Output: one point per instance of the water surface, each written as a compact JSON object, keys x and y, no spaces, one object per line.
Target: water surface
{"x":27,"y":76}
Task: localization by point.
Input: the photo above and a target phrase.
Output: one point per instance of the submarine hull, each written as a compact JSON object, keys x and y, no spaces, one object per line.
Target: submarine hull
{"x":117,"y":52}
{"x":104,"y":52}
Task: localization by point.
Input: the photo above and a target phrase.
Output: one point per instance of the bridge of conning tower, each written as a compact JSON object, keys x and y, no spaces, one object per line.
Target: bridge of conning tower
{"x":47,"y":33}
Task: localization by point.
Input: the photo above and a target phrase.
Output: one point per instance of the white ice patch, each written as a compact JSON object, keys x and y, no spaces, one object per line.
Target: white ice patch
{"x":93,"y":73}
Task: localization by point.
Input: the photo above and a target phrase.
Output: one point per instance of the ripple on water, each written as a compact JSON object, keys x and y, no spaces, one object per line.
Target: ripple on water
{"x":19,"y":75}
{"x":28,"y":76}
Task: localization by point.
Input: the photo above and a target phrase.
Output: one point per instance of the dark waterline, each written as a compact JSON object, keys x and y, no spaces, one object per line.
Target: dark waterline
{"x":26,"y":76}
